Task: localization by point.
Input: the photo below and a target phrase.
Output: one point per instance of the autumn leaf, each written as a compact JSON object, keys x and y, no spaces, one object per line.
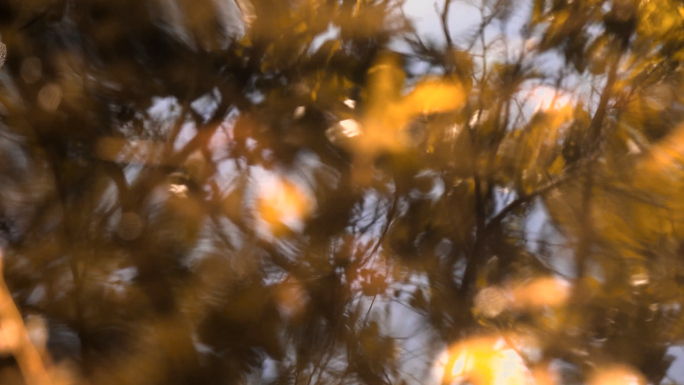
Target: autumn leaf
{"x":282,"y":205}
{"x":485,"y":360}
{"x":383,"y":128}
{"x":434,"y":96}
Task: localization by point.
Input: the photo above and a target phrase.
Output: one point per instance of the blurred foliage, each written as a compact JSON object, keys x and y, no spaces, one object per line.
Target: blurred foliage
{"x":315,"y":191}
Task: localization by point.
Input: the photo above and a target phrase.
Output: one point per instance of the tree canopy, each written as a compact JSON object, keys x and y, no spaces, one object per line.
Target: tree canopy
{"x":319,"y":192}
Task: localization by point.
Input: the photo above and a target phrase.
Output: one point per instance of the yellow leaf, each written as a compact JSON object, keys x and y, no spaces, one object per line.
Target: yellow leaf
{"x":282,"y":203}
{"x":666,"y":153}
{"x":388,"y":112}
{"x":432,"y":96}
{"x":485,"y":360}
{"x":541,"y":292}
{"x":557,"y":166}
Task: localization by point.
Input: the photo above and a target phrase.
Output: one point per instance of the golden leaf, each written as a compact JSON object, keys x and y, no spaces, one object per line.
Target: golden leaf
{"x":432,"y":96}
{"x":485,"y":360}
{"x":666,"y":153}
{"x":541,"y":292}
{"x":281,"y":205}
{"x":388,"y":112}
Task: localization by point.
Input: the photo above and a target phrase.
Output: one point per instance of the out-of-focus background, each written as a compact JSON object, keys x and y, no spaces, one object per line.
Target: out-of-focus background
{"x":341,"y":192}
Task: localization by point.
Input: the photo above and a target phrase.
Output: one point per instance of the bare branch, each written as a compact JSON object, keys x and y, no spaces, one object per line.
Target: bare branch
{"x":445,"y":23}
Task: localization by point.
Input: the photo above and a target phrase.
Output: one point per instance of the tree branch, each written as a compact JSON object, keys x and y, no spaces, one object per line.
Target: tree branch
{"x":496,"y":220}
{"x":586,"y":232}
{"x":445,"y":23}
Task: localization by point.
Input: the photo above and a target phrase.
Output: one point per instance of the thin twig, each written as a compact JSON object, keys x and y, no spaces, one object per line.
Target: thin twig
{"x":390,"y":215}
{"x":445,"y":23}
{"x":496,"y":220}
